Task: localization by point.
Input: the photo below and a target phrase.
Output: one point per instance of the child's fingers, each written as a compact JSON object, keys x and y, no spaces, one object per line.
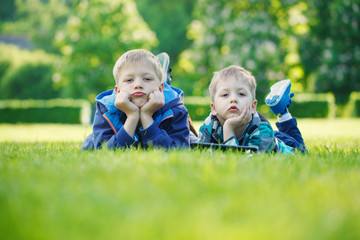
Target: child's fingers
{"x":156,"y":96}
{"x":245,"y":116}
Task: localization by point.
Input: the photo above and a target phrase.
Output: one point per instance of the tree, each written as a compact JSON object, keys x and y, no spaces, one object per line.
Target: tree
{"x":90,"y":35}
{"x":169,"y":20}
{"x":7,"y":10}
{"x":42,"y":19}
{"x":96,"y":33}
{"x":247,"y":33}
{"x":330,"y":51}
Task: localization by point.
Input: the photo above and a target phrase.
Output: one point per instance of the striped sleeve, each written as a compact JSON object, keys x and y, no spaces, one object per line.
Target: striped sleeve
{"x":263,"y":138}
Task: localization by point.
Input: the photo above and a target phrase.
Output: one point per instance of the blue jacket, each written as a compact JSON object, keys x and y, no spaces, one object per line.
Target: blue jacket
{"x":169,"y":129}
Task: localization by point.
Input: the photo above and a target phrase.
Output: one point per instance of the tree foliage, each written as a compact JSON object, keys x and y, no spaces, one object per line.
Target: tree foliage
{"x":7,"y":10}
{"x":29,"y":81}
{"x":312,"y":42}
{"x":43,"y":19}
{"x":26,"y":74}
{"x":246,"y":33}
{"x":330,"y":51}
{"x":94,"y":36}
{"x":169,"y":21}
{"x":90,"y":35}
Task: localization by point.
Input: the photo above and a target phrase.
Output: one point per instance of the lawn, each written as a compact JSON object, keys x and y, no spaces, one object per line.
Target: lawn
{"x":51,"y":190}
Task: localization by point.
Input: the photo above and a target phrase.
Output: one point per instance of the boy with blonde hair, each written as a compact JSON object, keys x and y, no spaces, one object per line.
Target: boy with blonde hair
{"x":234,"y":120}
{"x":141,"y":109}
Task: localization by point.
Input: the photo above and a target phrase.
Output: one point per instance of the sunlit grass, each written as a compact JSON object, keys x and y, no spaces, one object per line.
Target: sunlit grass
{"x":322,"y":129}
{"x":51,"y":190}
{"x":43,"y":132}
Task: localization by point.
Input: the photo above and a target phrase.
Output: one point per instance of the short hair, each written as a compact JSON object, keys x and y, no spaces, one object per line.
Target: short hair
{"x":233,"y":70}
{"x":137,"y":56}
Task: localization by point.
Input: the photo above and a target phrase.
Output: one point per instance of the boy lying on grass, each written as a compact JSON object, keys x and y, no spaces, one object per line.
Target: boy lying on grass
{"x":141,"y":109}
{"x":234,"y":120}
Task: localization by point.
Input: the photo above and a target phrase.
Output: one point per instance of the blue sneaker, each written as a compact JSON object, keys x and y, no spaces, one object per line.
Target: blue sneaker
{"x":164,"y":60}
{"x":279,"y":98}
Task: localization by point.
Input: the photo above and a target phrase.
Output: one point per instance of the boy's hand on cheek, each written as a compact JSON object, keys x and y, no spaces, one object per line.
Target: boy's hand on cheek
{"x":155,"y":102}
{"x":123,"y":103}
{"x":237,"y":124}
{"x":240,"y":120}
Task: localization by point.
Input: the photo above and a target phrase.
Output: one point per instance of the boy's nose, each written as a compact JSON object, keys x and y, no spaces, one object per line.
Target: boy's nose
{"x":138,"y":83}
{"x":233,"y":98}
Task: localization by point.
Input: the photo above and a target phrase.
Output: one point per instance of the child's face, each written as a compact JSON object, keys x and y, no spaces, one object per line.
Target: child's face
{"x":232,"y":96}
{"x":138,"y":80}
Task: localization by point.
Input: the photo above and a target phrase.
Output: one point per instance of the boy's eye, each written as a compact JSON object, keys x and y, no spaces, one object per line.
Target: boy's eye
{"x":242,"y":94}
{"x":225,"y":94}
{"x":128,"y":80}
{"x":147,"y":78}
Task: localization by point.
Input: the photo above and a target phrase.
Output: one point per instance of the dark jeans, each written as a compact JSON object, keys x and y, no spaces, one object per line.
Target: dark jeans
{"x":290,"y":134}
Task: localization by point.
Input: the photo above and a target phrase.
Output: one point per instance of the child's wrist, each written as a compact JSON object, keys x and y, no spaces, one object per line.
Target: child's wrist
{"x":131,"y":123}
{"x":228,"y":126}
{"x":146,"y":112}
{"x":146,"y":120}
{"x":228,"y":131}
{"x":133,"y":116}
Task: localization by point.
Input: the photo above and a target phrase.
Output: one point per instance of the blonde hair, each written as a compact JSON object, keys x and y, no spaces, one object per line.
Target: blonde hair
{"x":236,"y":71}
{"x":137,"y":56}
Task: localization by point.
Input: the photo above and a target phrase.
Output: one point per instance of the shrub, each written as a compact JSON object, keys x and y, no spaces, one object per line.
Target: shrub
{"x":4,"y":66}
{"x":305,"y":105}
{"x":198,"y":107}
{"x":353,"y":106}
{"x":29,"y":81}
{"x":311,"y":105}
{"x":45,"y":111}
{"x":26,"y":74}
{"x":308,"y":105}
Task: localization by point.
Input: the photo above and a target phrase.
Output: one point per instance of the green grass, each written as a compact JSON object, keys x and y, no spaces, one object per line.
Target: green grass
{"x":51,"y":190}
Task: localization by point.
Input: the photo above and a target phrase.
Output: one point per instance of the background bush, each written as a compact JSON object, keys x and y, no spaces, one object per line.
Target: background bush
{"x":40,"y":115}
{"x":309,"y":105}
{"x":27,"y":74}
{"x":273,"y":39}
{"x":4,"y":66}
{"x":198,"y":107}
{"x":45,"y":111}
{"x":353,"y":106}
{"x":29,"y":81}
{"x":303,"y":106}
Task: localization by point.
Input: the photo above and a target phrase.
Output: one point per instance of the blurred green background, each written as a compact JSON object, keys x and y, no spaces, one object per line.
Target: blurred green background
{"x":66,"y":49}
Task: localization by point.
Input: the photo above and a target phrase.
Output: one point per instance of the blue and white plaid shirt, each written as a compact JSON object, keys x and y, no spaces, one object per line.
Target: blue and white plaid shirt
{"x":257,"y":133}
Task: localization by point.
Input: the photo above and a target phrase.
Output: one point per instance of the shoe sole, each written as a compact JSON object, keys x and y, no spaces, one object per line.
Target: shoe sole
{"x":277,"y":89}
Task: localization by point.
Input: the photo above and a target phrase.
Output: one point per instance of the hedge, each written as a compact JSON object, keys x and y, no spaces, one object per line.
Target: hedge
{"x":45,"y":111}
{"x":198,"y":107}
{"x":29,"y":81}
{"x":308,"y":105}
{"x":353,"y":106}
{"x":304,"y":105}
{"x":79,"y":111}
{"x":27,"y":74}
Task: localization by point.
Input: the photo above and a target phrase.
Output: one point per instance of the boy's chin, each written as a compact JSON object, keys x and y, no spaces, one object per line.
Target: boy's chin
{"x":139,"y":102}
{"x":232,"y":115}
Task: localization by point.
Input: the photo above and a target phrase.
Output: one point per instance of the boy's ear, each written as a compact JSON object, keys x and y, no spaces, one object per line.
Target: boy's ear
{"x":116,"y":89}
{"x":213,"y":111}
{"x":253,"y":106}
{"x":161,"y":87}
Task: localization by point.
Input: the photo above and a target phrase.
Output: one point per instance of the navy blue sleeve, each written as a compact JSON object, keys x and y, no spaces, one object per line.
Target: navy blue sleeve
{"x":121,"y":140}
{"x":172,"y":132}
{"x":104,"y":133}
